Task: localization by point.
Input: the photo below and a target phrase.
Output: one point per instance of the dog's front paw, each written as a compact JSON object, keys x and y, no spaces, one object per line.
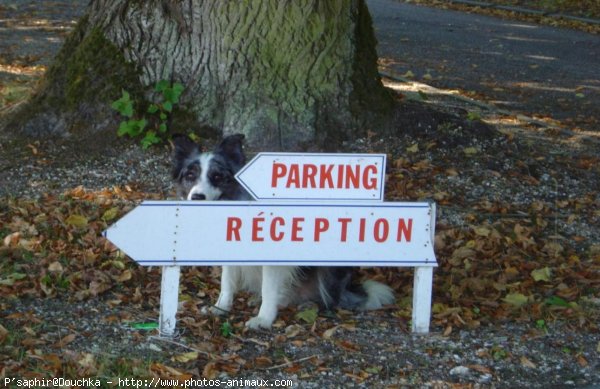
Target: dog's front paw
{"x":213,"y":310}
{"x":258,"y":322}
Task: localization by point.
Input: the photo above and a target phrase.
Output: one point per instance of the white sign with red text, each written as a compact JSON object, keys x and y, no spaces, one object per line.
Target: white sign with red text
{"x":300,"y":234}
{"x":306,"y":176}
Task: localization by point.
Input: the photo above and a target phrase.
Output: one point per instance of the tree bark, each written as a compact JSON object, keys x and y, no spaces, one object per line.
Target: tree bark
{"x":289,"y":74}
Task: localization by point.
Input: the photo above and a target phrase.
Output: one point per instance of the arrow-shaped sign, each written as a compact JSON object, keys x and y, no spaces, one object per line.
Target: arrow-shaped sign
{"x":253,"y":233}
{"x":302,"y":176}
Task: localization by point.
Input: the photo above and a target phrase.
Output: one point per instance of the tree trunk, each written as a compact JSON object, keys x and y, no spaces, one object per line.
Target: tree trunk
{"x":289,"y":74}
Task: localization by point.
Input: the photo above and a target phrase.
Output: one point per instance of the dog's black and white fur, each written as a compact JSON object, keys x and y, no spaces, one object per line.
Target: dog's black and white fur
{"x":210,"y":176}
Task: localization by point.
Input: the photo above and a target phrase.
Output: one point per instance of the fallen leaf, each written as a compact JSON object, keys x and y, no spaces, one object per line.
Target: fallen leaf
{"x":527,"y":363}
{"x":582,"y":361}
{"x":543,"y":274}
{"x":348,"y":346}
{"x":64,"y":341}
{"x":125,"y":276}
{"x":412,"y":149}
{"x":78,"y":221}
{"x":3,"y":333}
{"x":482,"y":231}
{"x":12,"y":240}
{"x":308,"y":315}
{"x":293,"y":330}
{"x":185,"y":357}
{"x":329,"y":333}
{"x":470,"y":151}
{"x":210,"y":371}
{"x":55,"y":267}
{"x":262,"y":362}
{"x":110,"y":214}
{"x":515,"y":299}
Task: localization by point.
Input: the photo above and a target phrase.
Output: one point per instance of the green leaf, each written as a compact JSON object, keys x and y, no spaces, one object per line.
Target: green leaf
{"x":144,"y":326}
{"x":161,"y":85}
{"x":516,"y":299}
{"x":168,"y":106}
{"x":308,"y":315}
{"x":226,"y":329}
{"x":136,"y":126}
{"x":543,"y":274}
{"x":153,"y":108}
{"x":177,"y":90}
{"x":540,"y":324}
{"x":150,"y":139}
{"x":557,"y":301}
{"x":124,"y":105}
{"x":172,"y":94}
{"x":124,"y":129}
{"x":163,"y":116}
{"x":162,"y":128}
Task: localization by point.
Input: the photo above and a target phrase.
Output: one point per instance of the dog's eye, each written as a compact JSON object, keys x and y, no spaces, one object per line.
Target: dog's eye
{"x":189,"y":176}
{"x":217,"y":177}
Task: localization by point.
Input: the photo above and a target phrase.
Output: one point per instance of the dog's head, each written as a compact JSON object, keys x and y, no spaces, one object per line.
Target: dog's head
{"x":208,"y":175}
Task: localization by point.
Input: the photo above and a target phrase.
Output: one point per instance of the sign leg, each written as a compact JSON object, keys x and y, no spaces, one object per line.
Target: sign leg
{"x":169,"y":294}
{"x":421,"y":309}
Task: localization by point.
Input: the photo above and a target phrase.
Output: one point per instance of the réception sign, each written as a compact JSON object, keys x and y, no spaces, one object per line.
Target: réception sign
{"x":301,"y":176}
{"x":253,"y":233}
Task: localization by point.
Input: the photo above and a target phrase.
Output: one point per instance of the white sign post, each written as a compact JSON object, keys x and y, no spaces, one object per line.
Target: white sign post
{"x":293,"y":233}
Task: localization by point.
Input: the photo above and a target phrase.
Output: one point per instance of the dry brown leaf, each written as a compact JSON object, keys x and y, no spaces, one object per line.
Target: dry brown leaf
{"x":55,"y":267}
{"x":527,"y":363}
{"x":64,"y":341}
{"x":327,"y":334}
{"x":263,"y":362}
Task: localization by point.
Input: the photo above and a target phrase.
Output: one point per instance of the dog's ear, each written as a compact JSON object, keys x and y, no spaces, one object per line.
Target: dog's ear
{"x":182,"y":144}
{"x":232,"y":148}
{"x":183,"y":148}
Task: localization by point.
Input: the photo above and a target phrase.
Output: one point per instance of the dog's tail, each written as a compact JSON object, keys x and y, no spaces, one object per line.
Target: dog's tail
{"x":368,"y":295}
{"x":336,"y":288}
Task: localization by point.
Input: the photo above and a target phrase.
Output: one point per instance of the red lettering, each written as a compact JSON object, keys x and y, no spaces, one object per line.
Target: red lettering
{"x":379,"y":234}
{"x":294,"y":176}
{"x":361,"y":229}
{"x":340,"y":176}
{"x":325,"y":176}
{"x":352,"y":177}
{"x":233,"y":228}
{"x":321,"y":225}
{"x":308,"y":173}
{"x":370,"y":182}
{"x":344,"y":232}
{"x":296,"y":228}
{"x":256,"y":229}
{"x":276,"y":237}
{"x":279,"y":171}
{"x":405,"y":230}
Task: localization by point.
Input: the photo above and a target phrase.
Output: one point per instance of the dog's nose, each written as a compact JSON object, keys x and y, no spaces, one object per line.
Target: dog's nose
{"x":198,"y":196}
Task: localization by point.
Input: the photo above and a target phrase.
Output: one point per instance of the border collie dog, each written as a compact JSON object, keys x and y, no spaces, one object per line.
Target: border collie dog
{"x":210,"y":176}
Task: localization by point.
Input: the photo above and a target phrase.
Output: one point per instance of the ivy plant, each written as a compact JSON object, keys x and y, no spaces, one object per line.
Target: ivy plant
{"x":152,"y":128}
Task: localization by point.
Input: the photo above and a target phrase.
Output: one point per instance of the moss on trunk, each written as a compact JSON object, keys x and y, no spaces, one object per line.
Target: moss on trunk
{"x":290,"y":75}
